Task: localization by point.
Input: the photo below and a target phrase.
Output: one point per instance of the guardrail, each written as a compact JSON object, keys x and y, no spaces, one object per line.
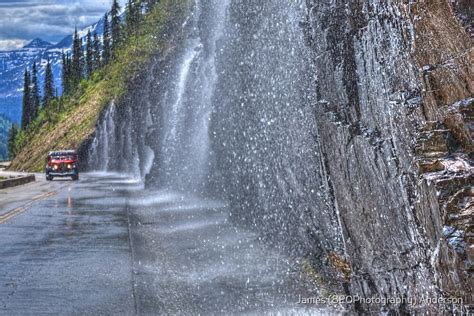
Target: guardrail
{"x":15,"y":181}
{"x":5,"y":164}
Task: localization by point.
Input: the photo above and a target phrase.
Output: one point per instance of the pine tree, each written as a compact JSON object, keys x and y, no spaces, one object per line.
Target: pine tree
{"x":48,"y":86}
{"x":115,"y":26}
{"x":96,"y":51}
{"x":35,"y":97}
{"x":25,"y":117}
{"x":65,"y":73}
{"x":69,"y":72}
{"x":136,"y":14}
{"x":149,"y":4}
{"x":133,"y":16}
{"x":77,"y":61}
{"x":89,"y":55}
{"x":106,"y":42}
{"x":11,"y":141}
{"x":60,"y":104}
{"x":128,"y":17}
{"x":138,"y":11}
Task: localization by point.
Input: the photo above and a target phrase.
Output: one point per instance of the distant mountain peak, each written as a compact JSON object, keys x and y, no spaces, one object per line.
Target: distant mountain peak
{"x":38,"y":43}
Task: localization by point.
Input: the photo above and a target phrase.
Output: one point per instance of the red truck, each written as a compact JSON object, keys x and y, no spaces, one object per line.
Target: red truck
{"x":62,"y":164}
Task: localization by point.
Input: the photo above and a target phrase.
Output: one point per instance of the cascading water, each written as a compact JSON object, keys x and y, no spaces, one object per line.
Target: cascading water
{"x":264,"y":136}
{"x":113,"y":147}
{"x":184,"y":131}
{"x":230,"y":115}
{"x":100,"y":151}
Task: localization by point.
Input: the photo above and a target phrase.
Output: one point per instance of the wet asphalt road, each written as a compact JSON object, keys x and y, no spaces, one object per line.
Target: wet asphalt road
{"x":105,"y":245}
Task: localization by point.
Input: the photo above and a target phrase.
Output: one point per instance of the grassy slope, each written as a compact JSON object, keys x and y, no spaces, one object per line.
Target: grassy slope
{"x":76,"y":123}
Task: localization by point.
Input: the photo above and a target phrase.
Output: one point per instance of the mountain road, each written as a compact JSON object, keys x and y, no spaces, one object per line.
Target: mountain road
{"x":106,"y":245}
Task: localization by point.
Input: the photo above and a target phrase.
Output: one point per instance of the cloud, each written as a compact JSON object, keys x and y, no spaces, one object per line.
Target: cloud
{"x":51,"y":20}
{"x":12,"y":44}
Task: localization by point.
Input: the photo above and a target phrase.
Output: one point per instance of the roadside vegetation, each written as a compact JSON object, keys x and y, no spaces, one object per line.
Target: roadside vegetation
{"x":93,"y":77}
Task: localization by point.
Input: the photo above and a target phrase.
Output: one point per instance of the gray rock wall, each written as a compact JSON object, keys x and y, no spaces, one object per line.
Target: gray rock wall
{"x":372,"y":102}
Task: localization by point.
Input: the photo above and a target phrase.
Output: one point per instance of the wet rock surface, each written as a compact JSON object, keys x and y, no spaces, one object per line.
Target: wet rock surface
{"x":465,"y":12}
{"x":367,"y":58}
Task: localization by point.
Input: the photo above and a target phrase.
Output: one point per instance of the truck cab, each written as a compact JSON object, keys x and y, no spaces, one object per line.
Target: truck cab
{"x":62,"y":164}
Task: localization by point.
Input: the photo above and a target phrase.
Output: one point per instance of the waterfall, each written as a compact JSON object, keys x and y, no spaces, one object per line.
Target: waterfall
{"x":113,"y":147}
{"x":184,"y":144}
{"x":230,"y":115}
{"x":100,"y":150}
{"x":176,"y":106}
{"x":264,"y":138}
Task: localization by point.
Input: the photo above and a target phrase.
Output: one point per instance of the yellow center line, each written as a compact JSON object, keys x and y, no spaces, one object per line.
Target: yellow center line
{"x":43,"y":196}
{"x":19,"y":210}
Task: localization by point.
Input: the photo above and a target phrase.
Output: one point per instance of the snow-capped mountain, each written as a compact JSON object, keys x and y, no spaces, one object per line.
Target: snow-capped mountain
{"x":13,"y":64}
{"x":38,"y":43}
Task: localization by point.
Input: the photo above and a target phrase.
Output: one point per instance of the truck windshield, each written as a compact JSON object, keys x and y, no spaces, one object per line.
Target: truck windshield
{"x":63,"y":156}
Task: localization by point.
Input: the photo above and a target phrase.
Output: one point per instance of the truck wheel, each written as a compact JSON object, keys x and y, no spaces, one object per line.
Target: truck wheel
{"x":49,"y":178}
{"x":75,"y":178}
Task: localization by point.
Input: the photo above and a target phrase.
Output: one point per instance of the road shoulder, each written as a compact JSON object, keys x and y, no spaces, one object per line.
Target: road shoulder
{"x":18,"y":196}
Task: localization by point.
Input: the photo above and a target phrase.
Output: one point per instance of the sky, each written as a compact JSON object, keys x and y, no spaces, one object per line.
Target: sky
{"x":51,"y":20}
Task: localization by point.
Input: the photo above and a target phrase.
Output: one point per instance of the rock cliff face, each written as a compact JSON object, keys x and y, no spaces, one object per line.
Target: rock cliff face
{"x":464,"y":10}
{"x":394,"y":115}
{"x":341,"y":130}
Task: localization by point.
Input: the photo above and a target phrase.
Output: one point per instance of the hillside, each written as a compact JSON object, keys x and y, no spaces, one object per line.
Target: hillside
{"x":13,"y":64}
{"x":12,"y":67}
{"x":76,"y":122}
